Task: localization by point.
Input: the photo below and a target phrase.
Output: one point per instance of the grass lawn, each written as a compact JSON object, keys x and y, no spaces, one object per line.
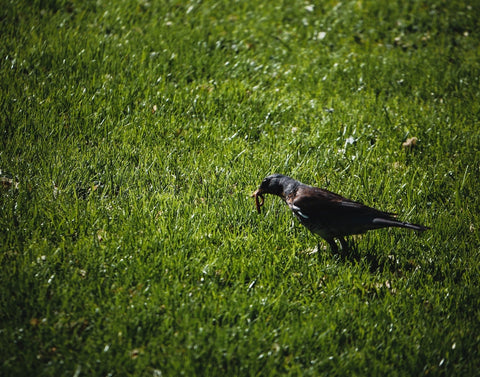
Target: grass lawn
{"x":134,"y":132}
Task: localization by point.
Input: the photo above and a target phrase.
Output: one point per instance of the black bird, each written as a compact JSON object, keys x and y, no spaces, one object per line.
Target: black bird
{"x":325,"y":213}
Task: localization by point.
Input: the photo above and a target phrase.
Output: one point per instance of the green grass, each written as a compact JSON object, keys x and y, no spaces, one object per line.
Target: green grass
{"x":132,"y":135}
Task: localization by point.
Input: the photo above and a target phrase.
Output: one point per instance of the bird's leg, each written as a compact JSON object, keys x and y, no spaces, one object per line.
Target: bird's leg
{"x":333,"y":245}
{"x":344,"y":244}
{"x":318,"y":249}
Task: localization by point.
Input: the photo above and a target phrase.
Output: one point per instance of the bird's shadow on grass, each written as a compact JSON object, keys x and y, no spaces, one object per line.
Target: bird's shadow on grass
{"x":376,"y":261}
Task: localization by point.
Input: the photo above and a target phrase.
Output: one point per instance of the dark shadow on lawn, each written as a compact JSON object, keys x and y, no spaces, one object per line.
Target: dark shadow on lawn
{"x":375,"y":259}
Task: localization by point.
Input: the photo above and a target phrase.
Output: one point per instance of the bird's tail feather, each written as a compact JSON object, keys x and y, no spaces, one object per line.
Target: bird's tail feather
{"x":399,"y":224}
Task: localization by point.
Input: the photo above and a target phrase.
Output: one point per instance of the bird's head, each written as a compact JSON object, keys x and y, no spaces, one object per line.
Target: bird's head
{"x":275,"y":184}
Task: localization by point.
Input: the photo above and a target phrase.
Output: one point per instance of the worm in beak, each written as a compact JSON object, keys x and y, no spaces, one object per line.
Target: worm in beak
{"x":258,"y":200}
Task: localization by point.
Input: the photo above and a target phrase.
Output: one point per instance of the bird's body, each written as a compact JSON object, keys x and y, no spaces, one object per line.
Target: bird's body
{"x":328,"y":214}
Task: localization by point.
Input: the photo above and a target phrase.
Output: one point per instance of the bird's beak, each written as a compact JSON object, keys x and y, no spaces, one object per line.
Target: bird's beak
{"x":258,"y":203}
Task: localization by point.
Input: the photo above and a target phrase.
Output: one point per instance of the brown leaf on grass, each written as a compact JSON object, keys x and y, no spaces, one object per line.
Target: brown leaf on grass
{"x":136,"y":352}
{"x":56,"y":190}
{"x":101,"y":234}
{"x":7,"y":183}
{"x":397,"y":165}
{"x":410,"y":143}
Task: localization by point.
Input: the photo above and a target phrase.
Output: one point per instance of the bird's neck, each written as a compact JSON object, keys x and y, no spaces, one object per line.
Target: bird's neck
{"x":290,"y":189}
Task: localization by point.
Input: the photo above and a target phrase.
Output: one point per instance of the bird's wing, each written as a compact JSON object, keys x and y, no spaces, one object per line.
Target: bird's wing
{"x":312,"y":202}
